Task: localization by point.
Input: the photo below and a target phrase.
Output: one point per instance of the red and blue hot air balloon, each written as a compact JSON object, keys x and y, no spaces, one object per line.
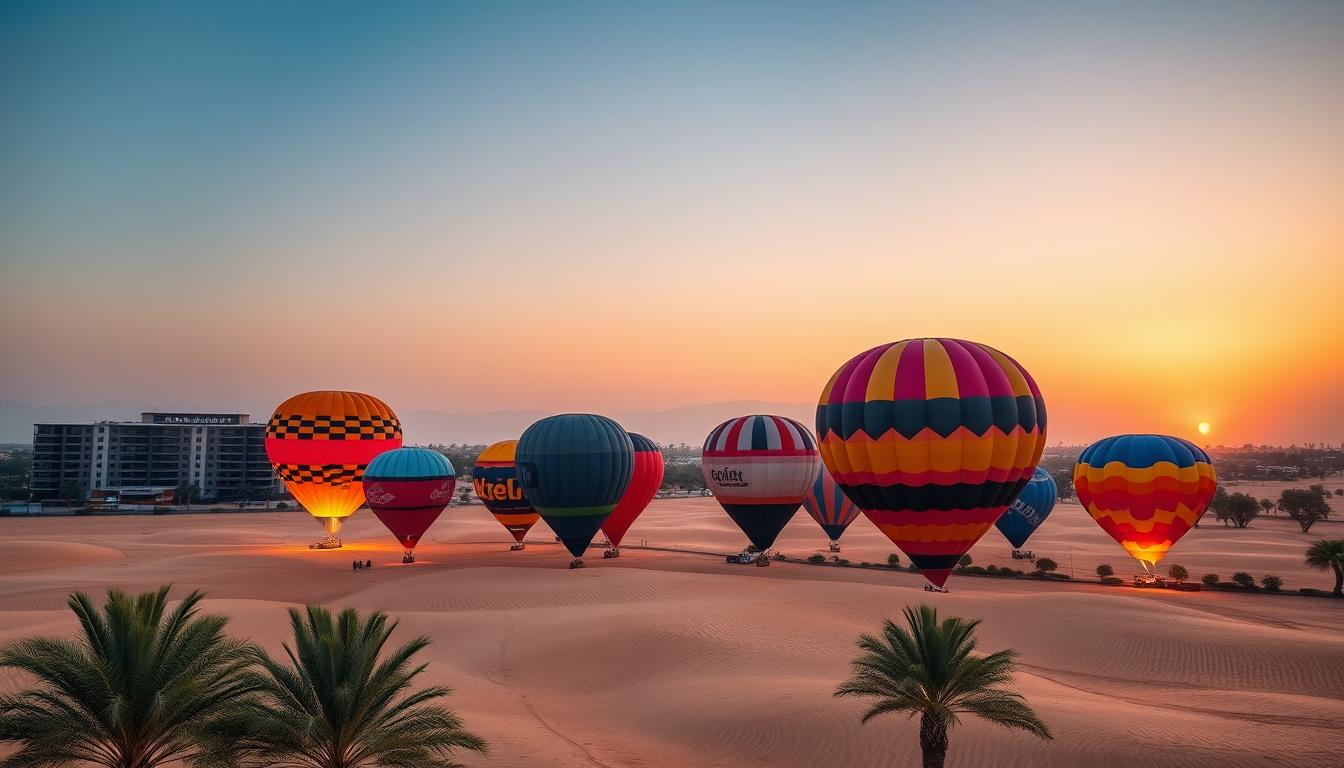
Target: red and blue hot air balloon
{"x":1146,"y":491}
{"x":1033,"y":505}
{"x":574,"y":469}
{"x":829,"y":506}
{"x":759,"y":468}
{"x":407,"y":489}
{"x":644,"y":483}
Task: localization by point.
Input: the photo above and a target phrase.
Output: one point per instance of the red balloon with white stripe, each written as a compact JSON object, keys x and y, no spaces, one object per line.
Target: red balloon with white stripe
{"x":760,"y":467}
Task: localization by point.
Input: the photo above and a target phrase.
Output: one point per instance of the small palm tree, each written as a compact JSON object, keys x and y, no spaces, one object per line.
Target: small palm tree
{"x":340,"y":702}
{"x":929,"y":668}
{"x":1329,"y":554}
{"x":131,"y":692}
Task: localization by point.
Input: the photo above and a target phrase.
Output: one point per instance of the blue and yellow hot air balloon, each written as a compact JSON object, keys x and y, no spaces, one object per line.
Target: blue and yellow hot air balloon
{"x":1033,"y":505}
{"x":1146,"y":491}
{"x":574,"y":469}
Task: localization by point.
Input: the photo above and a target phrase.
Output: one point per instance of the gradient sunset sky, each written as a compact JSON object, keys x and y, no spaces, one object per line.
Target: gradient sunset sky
{"x":617,"y":206}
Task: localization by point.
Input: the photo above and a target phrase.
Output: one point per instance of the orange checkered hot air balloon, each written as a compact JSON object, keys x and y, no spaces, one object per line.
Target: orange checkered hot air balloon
{"x":932,"y":439}
{"x":320,"y":442}
{"x":1145,"y":491}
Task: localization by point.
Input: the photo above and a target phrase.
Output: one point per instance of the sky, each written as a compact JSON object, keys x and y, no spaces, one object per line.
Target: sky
{"x":602,"y":206}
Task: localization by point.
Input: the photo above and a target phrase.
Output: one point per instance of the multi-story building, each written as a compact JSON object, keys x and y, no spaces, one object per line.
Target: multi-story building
{"x":220,"y":455}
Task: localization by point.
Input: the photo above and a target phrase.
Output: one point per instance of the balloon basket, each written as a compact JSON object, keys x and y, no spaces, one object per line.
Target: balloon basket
{"x":835,"y":546}
{"x":762,"y":561}
{"x":610,"y":553}
{"x":517,"y":547}
{"x":408,"y":558}
{"x":934,"y":588}
{"x":329,"y":541}
{"x":577,"y":563}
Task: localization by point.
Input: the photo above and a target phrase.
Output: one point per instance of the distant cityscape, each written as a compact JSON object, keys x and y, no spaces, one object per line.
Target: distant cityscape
{"x":221,"y":457}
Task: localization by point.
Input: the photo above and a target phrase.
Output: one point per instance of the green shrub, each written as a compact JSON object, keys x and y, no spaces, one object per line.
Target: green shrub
{"x":818,"y":558}
{"x":842,"y":561}
{"x":1314,"y":592}
{"x":282,"y":505}
{"x":975,"y":569}
{"x":1209,"y":580}
{"x":1272,"y":583}
{"x":964,"y":561}
{"x":1105,"y":570}
{"x":894,"y":560}
{"x":1244,"y":580}
{"x":1178,"y":572}
{"x":992,"y":570}
{"x":1112,"y":581}
{"x":1046,"y":565}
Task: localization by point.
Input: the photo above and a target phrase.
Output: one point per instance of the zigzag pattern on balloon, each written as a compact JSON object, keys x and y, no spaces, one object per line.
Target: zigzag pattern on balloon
{"x":944,"y":431}
{"x":1145,"y":491}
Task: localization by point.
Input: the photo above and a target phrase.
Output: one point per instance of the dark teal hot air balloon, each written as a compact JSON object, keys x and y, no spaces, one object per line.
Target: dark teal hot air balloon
{"x":1032,"y":506}
{"x":574,"y":469}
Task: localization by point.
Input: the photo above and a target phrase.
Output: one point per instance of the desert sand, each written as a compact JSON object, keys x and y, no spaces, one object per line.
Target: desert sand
{"x":678,"y":659}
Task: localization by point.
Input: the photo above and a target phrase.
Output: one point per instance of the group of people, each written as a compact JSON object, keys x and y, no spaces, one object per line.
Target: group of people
{"x":362,"y":565}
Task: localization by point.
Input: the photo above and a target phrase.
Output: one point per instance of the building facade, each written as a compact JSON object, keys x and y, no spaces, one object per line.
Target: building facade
{"x":220,"y":455}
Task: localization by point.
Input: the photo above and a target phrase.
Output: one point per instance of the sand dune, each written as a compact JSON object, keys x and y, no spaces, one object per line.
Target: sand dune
{"x":673,"y":659}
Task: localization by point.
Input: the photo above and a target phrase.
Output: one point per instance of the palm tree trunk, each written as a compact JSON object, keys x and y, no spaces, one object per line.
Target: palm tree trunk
{"x":1339,"y":579}
{"x":933,"y":740}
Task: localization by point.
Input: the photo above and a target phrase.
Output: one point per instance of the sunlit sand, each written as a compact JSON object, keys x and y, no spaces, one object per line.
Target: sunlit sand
{"x":676,"y":659}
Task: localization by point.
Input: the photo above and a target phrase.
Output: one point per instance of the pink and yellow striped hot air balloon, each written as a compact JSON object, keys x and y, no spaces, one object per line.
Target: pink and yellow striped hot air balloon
{"x":932,"y":439}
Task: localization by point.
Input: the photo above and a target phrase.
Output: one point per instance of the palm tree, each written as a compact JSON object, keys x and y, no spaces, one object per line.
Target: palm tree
{"x":131,"y":692}
{"x":340,"y":702}
{"x":930,"y":669}
{"x":1329,"y":553}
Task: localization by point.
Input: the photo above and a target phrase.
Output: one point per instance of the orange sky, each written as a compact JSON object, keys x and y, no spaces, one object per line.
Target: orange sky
{"x":1147,"y":212}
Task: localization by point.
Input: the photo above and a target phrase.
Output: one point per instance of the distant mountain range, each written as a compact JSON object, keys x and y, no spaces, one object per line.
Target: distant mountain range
{"x":683,"y":424}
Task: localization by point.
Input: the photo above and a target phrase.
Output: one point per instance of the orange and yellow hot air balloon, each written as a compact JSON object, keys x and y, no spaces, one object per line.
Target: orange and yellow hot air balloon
{"x":320,"y":442}
{"x":1146,"y":491}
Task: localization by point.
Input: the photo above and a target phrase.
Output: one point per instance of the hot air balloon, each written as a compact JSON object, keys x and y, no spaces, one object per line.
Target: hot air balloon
{"x":645,"y":481}
{"x":574,"y":468}
{"x":495,"y":479}
{"x":829,"y":506}
{"x":1032,"y":506}
{"x":760,"y":467}
{"x":407,"y":489}
{"x":320,"y":442}
{"x":1146,"y":491}
{"x":932,"y":439}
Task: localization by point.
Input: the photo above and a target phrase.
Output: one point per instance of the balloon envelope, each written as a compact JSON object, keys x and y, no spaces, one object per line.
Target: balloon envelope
{"x":645,"y":481}
{"x":495,"y":480}
{"x":574,"y":469}
{"x":759,"y":468}
{"x":829,"y":505}
{"x":320,"y":442}
{"x":1146,"y":491}
{"x":1032,"y":506}
{"x":407,"y":489}
{"x":932,"y":439}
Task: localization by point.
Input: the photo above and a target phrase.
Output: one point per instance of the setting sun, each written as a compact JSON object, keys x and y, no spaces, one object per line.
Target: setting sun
{"x":1203,"y":427}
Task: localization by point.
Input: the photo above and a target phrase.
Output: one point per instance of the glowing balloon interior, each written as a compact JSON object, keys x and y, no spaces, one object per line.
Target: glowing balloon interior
{"x":932,"y":439}
{"x":319,"y":443}
{"x":1146,"y":491}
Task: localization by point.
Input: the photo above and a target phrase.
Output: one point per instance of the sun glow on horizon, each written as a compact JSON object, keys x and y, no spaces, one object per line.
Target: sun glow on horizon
{"x":1204,"y":427}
